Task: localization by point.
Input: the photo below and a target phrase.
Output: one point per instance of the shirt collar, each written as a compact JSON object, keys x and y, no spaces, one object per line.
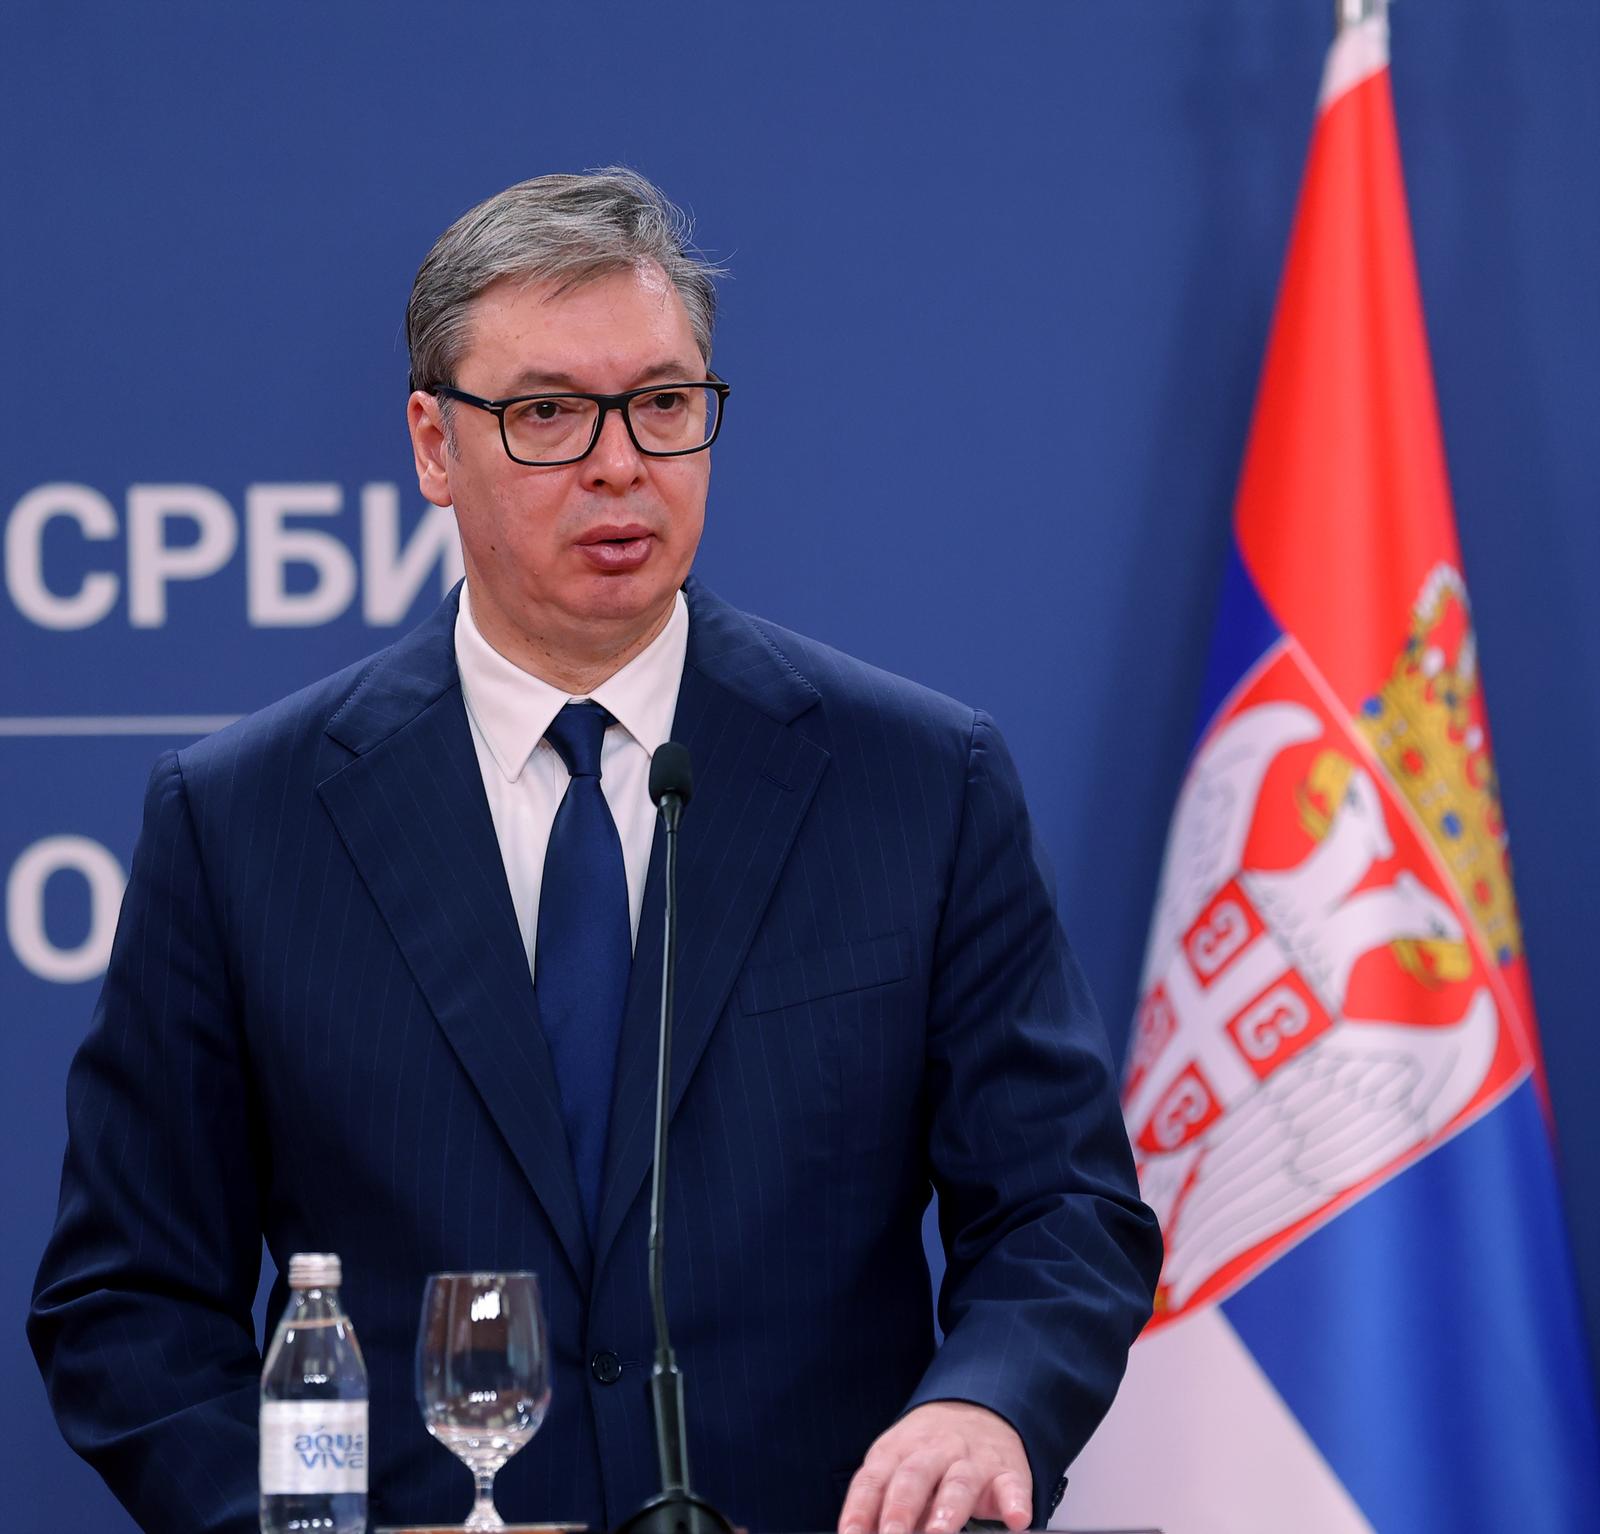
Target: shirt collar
{"x":512,"y":708}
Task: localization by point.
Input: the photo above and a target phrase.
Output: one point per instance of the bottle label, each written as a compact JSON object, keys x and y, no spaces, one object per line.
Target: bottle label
{"x":313,"y":1446}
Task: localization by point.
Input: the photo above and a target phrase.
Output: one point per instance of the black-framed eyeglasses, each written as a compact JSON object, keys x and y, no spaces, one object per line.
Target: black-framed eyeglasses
{"x":664,"y":420}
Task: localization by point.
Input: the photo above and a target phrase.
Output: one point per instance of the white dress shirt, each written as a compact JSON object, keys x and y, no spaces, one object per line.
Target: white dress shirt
{"x":510,"y":709}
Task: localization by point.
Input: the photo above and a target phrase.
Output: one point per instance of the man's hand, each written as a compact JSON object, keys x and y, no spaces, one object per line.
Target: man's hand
{"x":935,"y":1468}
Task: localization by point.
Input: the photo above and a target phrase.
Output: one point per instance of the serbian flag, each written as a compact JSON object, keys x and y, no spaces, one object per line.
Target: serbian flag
{"x":1367,"y":1318}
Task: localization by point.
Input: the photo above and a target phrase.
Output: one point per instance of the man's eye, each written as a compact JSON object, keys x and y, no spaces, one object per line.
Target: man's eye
{"x":544,"y":412}
{"x":665,"y":401}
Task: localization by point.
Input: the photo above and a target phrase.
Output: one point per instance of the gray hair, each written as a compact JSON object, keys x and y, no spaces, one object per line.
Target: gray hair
{"x":565,"y":229}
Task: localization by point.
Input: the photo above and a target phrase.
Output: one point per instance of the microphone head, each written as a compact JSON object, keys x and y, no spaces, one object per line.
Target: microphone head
{"x":670,"y":773}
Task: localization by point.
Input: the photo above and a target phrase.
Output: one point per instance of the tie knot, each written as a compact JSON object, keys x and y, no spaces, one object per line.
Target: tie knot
{"x":577,"y":733}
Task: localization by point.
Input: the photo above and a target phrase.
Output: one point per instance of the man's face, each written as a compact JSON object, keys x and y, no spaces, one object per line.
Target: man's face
{"x":587,"y":554}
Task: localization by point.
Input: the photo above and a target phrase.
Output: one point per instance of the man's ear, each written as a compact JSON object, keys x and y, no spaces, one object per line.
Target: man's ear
{"x":430,"y":446}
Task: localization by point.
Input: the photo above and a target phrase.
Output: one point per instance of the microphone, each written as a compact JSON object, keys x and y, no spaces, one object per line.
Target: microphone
{"x":675,"y":1509}
{"x":671,"y":783}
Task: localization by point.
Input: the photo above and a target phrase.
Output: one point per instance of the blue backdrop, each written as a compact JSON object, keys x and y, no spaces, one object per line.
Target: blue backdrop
{"x":1016,"y":261}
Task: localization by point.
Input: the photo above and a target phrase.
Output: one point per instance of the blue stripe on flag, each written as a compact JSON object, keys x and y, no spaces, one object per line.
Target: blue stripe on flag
{"x":1429,"y":1341}
{"x":1244,"y":632}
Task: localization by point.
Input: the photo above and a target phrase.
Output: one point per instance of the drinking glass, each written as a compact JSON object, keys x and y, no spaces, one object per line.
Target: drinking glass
{"x":483,"y":1372}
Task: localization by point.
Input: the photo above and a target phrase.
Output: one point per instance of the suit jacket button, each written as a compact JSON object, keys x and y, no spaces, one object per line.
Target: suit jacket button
{"x":606,"y":1367}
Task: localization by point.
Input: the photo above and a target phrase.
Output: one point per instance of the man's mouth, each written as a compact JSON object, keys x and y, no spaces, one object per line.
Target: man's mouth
{"x":616,"y":549}
{"x":626,"y":532}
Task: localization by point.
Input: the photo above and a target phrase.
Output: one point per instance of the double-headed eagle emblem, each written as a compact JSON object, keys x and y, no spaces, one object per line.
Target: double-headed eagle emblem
{"x":1321,"y":1002}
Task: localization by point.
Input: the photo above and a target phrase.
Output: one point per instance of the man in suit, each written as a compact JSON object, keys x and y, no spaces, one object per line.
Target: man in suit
{"x":386,"y":979}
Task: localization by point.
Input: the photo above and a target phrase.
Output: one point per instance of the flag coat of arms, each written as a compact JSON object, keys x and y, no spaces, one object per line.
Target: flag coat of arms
{"x":1366,"y":1319}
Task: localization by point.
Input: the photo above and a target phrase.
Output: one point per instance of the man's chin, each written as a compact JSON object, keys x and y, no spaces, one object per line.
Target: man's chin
{"x":623,"y":600}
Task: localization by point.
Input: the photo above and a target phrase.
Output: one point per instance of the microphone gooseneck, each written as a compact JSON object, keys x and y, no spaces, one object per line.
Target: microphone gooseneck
{"x":676,"y":1510}
{"x":671,"y":784}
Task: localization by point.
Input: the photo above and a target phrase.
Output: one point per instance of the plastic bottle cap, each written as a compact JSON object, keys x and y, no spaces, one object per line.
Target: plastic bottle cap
{"x":314,"y":1270}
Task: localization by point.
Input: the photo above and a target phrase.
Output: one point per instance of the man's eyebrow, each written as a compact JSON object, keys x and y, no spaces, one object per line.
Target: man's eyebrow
{"x":539,"y":381}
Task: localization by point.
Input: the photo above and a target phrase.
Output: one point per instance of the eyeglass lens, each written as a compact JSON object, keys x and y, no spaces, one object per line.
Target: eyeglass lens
{"x":554,"y":427}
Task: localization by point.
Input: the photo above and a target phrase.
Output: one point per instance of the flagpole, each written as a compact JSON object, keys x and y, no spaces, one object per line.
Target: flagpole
{"x":1349,"y":13}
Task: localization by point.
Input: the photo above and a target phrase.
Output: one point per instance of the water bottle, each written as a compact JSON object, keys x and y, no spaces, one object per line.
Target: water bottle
{"x":314,"y":1410}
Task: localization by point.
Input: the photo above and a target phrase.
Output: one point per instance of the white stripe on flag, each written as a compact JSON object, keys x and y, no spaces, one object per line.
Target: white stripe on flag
{"x":1199,"y":1442}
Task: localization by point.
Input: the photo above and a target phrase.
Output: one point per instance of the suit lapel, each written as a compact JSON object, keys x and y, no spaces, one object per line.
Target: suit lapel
{"x":754,"y":778}
{"x":413,"y":815}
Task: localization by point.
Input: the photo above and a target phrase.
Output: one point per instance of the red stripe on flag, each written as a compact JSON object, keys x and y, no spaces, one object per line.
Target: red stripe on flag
{"x":1344,"y":504}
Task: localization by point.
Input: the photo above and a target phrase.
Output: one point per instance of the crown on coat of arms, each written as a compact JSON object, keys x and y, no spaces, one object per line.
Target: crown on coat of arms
{"x":1426,"y":725}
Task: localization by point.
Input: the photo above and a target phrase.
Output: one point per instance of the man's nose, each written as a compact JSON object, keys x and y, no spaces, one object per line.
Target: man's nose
{"x":615,"y":463}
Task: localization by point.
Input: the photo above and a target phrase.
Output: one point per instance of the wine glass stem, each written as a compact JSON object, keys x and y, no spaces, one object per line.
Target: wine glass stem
{"x":484,"y":1514}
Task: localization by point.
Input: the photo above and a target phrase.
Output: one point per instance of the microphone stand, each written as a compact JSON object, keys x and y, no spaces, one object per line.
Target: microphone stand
{"x":675,"y":1509}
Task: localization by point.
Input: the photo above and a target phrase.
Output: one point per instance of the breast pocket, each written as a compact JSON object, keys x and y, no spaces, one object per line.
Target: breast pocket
{"x":828,"y":972}
{"x":848,"y":1022}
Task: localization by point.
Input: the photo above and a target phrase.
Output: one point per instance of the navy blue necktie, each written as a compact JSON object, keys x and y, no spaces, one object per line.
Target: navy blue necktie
{"x":584,"y":945}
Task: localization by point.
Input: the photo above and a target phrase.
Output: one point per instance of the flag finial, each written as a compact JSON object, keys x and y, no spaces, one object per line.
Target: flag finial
{"x":1349,"y":13}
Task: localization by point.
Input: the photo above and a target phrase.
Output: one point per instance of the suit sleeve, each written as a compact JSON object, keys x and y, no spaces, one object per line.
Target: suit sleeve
{"x":141,"y":1317}
{"x":1051,"y":1259}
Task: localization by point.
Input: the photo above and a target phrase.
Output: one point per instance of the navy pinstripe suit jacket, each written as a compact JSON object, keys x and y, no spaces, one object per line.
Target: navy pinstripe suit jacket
{"x":318,"y":1024}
